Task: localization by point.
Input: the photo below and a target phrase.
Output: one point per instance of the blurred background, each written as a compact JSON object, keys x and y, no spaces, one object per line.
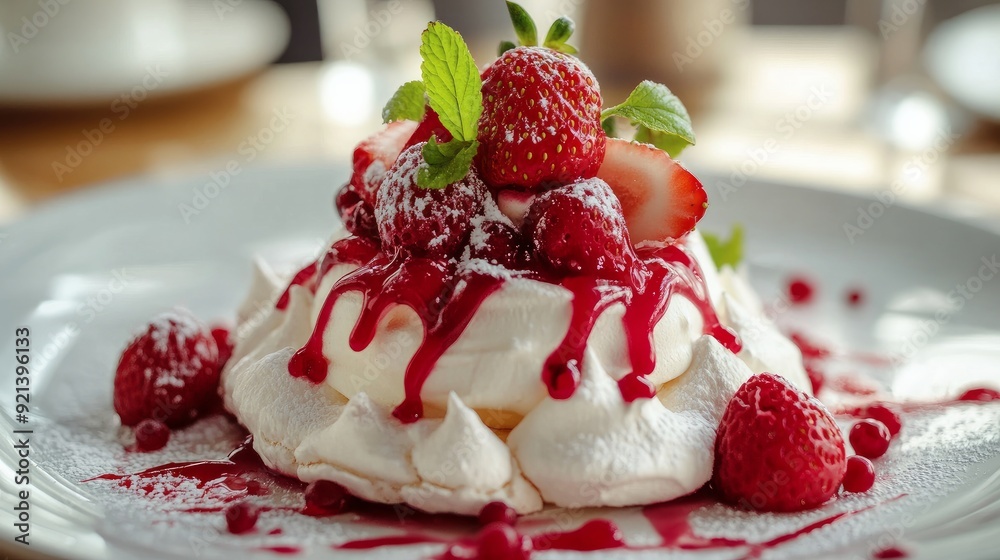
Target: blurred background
{"x":860,"y":95}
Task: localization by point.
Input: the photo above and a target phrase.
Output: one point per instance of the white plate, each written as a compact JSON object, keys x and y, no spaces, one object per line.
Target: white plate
{"x":96,"y":54}
{"x":962,"y":56}
{"x":60,"y":266}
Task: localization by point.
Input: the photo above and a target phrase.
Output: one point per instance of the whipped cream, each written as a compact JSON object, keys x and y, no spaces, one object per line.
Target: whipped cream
{"x":592,"y":449}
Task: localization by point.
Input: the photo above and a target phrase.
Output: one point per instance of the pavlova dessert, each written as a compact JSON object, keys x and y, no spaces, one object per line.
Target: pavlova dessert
{"x":517,"y":308}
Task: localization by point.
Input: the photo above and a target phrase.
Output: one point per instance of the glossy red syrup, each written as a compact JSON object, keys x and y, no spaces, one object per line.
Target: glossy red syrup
{"x":301,"y":277}
{"x":287,"y":550}
{"x":447,"y":296}
{"x":599,"y":534}
{"x":855,"y":297}
{"x":981,"y":395}
{"x":891,"y":552}
{"x":242,"y":474}
{"x":665,"y":271}
{"x":800,"y":291}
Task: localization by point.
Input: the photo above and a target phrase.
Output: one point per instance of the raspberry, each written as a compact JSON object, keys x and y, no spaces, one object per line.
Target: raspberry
{"x":499,"y":541}
{"x":241,"y":517}
{"x":541,"y":122}
{"x":224,"y":342}
{"x":357,"y":214}
{"x":777,"y":448}
{"x":860,"y":475}
{"x":886,"y":416}
{"x":579,"y":229}
{"x":870,"y":438}
{"x":151,"y":435}
{"x":432,"y":223}
{"x":168,"y":373}
{"x":497,"y":512}
{"x":327,"y":497}
{"x":497,"y":242}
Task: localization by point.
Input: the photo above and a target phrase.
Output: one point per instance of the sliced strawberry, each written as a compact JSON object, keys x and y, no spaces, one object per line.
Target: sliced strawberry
{"x":515,"y":204}
{"x":376,"y":154}
{"x":429,"y":126}
{"x":661,"y":200}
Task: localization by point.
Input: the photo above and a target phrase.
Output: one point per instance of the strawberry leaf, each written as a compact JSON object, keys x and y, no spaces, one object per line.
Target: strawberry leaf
{"x":524,"y":26}
{"x":669,"y":143}
{"x":654,"y":107}
{"x":728,"y":252}
{"x":560,"y":32}
{"x":407,"y":104}
{"x":445,"y":163}
{"x":505,"y":46}
{"x":454,"y":88}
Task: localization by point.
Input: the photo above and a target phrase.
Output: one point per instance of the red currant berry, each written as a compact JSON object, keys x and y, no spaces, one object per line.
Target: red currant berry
{"x":870,"y":438}
{"x":860,"y":474}
{"x":885,"y":415}
{"x":241,"y":517}
{"x":497,"y":512}
{"x":800,"y":291}
{"x":151,"y":435}
{"x":327,"y":497}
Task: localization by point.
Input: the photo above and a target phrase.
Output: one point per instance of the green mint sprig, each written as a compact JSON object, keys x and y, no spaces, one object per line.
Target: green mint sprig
{"x":407,"y":104}
{"x":660,"y":117}
{"x":454,"y":92}
{"x":527,"y":33}
{"x":726,"y":252}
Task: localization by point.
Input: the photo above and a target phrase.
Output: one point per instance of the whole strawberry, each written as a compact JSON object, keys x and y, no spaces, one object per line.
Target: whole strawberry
{"x":432,"y":223}
{"x":541,"y":121}
{"x":169,"y":373}
{"x":579,"y":229}
{"x":777,"y":448}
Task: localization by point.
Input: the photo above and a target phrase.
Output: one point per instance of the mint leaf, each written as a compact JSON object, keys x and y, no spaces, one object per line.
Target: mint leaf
{"x":559,"y":33}
{"x":610,"y":129}
{"x":505,"y":46}
{"x":454,"y":88}
{"x":669,"y":143}
{"x":653,"y":106}
{"x":445,"y":163}
{"x":407,"y":104}
{"x":728,"y":252}
{"x":524,"y":26}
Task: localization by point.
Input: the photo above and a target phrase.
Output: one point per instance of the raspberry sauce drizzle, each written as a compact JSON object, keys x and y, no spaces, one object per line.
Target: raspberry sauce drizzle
{"x":301,"y":277}
{"x":446,"y":296}
{"x":443,"y":295}
{"x":664,"y":272}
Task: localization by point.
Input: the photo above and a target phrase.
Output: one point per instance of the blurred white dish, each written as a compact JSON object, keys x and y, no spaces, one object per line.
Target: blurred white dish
{"x":962,"y":57}
{"x":103,"y":52}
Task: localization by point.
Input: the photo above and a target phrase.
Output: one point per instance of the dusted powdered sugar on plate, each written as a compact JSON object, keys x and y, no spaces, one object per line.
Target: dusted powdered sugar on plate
{"x":938,"y":452}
